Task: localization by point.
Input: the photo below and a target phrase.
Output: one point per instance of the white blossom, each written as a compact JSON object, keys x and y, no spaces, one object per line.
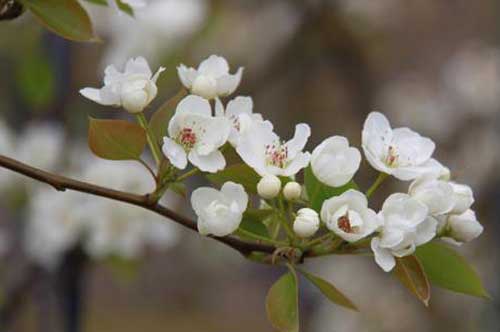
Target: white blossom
{"x":333,"y":162}
{"x":406,"y":225}
{"x":212,"y":78}
{"x":219,"y":212}
{"x":461,"y":228}
{"x":306,"y":223}
{"x":400,"y":152}
{"x":132,"y":89}
{"x":437,"y":195}
{"x":266,"y":153}
{"x":292,"y":191}
{"x":239,"y":113}
{"x":195,"y":135}
{"x":269,"y":186}
{"x":348,"y":216}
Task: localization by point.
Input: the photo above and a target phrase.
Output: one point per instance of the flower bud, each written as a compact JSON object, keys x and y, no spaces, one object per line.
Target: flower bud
{"x":205,"y":86}
{"x":292,"y":191}
{"x":464,"y":227}
{"x":306,"y":223}
{"x":269,"y":186}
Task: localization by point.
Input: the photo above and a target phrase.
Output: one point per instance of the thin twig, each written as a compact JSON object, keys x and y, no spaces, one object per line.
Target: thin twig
{"x":147,"y":202}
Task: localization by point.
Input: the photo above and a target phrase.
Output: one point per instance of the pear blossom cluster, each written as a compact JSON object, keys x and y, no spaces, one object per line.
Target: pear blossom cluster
{"x":208,"y":121}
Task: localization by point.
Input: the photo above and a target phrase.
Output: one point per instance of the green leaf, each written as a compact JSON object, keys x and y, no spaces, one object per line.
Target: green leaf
{"x":447,"y":269}
{"x":123,"y":6}
{"x":282,"y":303}
{"x":252,"y":223}
{"x":66,"y":18}
{"x":332,"y":293}
{"x":318,"y":192}
{"x":116,"y":139}
{"x":160,"y":119}
{"x":411,"y":274}
{"x":239,"y":173}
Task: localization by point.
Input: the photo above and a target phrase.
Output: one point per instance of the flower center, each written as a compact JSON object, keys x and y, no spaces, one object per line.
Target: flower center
{"x":392,"y":157}
{"x":345,"y":224}
{"x":217,"y":209}
{"x":276,"y":155}
{"x":187,"y":138}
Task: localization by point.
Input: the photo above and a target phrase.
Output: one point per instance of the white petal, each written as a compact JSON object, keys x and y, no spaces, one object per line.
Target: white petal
{"x":216,"y":132}
{"x":299,"y":140}
{"x":383,"y":257}
{"x":235,"y":192}
{"x":202,"y":197}
{"x":175,"y":153}
{"x":435,"y":194}
{"x":375,"y":160}
{"x":110,"y":96}
{"x":411,"y":143}
{"x":465,"y":227}
{"x":227,"y":84}
{"x":239,"y":105}
{"x":219,"y":108}
{"x":112,"y":75}
{"x":403,"y":211}
{"x":187,"y":75}
{"x":426,"y":231}
{"x":92,"y":94}
{"x":376,"y":136}
{"x":214,"y":66}
{"x":194,"y":104}
{"x":463,"y":198}
{"x":391,"y":238}
{"x":157,"y":74}
{"x":211,"y":163}
{"x":299,"y":162}
{"x":139,"y":66}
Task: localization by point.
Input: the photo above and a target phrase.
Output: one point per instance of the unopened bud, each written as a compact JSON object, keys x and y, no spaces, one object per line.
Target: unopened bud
{"x":292,"y":191}
{"x":306,"y":223}
{"x":269,"y":186}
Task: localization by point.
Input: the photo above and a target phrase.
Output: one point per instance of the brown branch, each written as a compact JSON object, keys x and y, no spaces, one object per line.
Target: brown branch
{"x":62,"y":183}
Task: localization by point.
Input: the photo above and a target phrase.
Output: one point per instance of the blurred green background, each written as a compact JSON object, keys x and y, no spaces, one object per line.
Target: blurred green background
{"x":430,"y":65}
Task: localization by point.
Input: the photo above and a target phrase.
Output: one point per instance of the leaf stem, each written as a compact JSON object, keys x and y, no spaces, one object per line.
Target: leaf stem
{"x":380,"y":179}
{"x":153,"y":144}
